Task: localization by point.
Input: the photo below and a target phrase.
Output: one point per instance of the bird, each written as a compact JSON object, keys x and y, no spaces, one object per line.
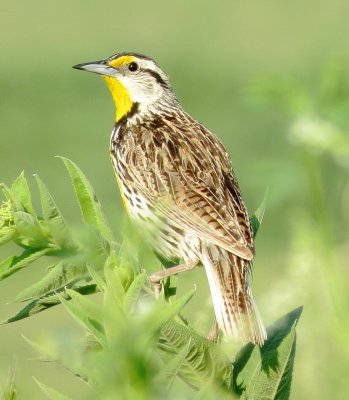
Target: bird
{"x":177,"y":184}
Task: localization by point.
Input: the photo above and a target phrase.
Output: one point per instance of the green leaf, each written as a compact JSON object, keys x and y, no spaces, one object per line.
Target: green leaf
{"x":266,"y":372}
{"x":53,"y":217}
{"x":7,"y":231}
{"x":171,"y":369}
{"x":10,"y":392}
{"x":212,"y":389}
{"x":202,"y":359}
{"x":89,"y":307}
{"x":51,"y":393}
{"x":89,"y":343}
{"x":49,"y":352}
{"x":52,"y":299}
{"x":89,"y":204}
{"x":15,"y":263}
{"x":46,"y":352}
{"x":21,"y":195}
{"x":66,"y":271}
{"x":133,"y":292}
{"x":28,"y":231}
{"x":113,"y":276}
{"x":168,"y":311}
{"x":48,"y":206}
{"x":97,"y":278}
{"x":10,"y":389}
{"x":257,"y":218}
{"x":87,"y":314}
{"x":7,"y":192}
{"x":6,"y":235}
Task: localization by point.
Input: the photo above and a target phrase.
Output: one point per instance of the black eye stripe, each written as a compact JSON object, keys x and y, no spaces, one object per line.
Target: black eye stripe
{"x":157,"y":77}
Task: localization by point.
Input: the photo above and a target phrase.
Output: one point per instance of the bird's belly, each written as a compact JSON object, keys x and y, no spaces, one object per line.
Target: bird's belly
{"x":153,"y":227}
{"x":168,"y":241}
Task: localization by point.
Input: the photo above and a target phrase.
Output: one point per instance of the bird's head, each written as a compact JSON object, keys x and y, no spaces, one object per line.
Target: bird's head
{"x":136,"y":82}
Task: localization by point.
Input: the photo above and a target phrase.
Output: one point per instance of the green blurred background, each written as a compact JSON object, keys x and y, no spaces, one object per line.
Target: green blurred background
{"x":268,"y":77}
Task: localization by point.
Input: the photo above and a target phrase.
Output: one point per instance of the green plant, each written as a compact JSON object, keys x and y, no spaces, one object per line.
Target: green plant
{"x":133,"y":345}
{"x":316,"y":110}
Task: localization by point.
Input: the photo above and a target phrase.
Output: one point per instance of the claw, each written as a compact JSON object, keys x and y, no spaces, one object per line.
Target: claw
{"x":156,"y":285}
{"x":157,"y":289}
{"x":157,"y":277}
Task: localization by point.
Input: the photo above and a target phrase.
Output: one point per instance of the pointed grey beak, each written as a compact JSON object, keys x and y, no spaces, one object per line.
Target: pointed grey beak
{"x":98,"y":67}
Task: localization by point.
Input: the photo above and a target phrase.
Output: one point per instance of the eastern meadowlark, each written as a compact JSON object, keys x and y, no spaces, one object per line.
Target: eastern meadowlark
{"x":177,"y":182}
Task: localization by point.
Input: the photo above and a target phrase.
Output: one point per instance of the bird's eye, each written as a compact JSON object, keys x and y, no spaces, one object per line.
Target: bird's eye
{"x":133,"y":66}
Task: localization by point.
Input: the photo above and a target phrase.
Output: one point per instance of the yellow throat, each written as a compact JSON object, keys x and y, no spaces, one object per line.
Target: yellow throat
{"x":121,"y":96}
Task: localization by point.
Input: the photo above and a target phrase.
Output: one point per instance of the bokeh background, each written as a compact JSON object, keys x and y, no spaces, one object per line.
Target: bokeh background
{"x":270,"y":78}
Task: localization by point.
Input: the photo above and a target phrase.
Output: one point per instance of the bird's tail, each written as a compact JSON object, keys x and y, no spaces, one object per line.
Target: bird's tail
{"x":236,"y":312}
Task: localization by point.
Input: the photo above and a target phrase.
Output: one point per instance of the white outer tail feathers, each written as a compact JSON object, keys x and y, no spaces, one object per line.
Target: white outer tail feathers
{"x":236,"y":312}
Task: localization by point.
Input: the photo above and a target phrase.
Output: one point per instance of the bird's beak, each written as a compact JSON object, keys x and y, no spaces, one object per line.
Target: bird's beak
{"x":98,"y":67}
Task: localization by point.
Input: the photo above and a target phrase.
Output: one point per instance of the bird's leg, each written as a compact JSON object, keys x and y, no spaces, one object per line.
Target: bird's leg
{"x":214,"y":332}
{"x":156,"y":277}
